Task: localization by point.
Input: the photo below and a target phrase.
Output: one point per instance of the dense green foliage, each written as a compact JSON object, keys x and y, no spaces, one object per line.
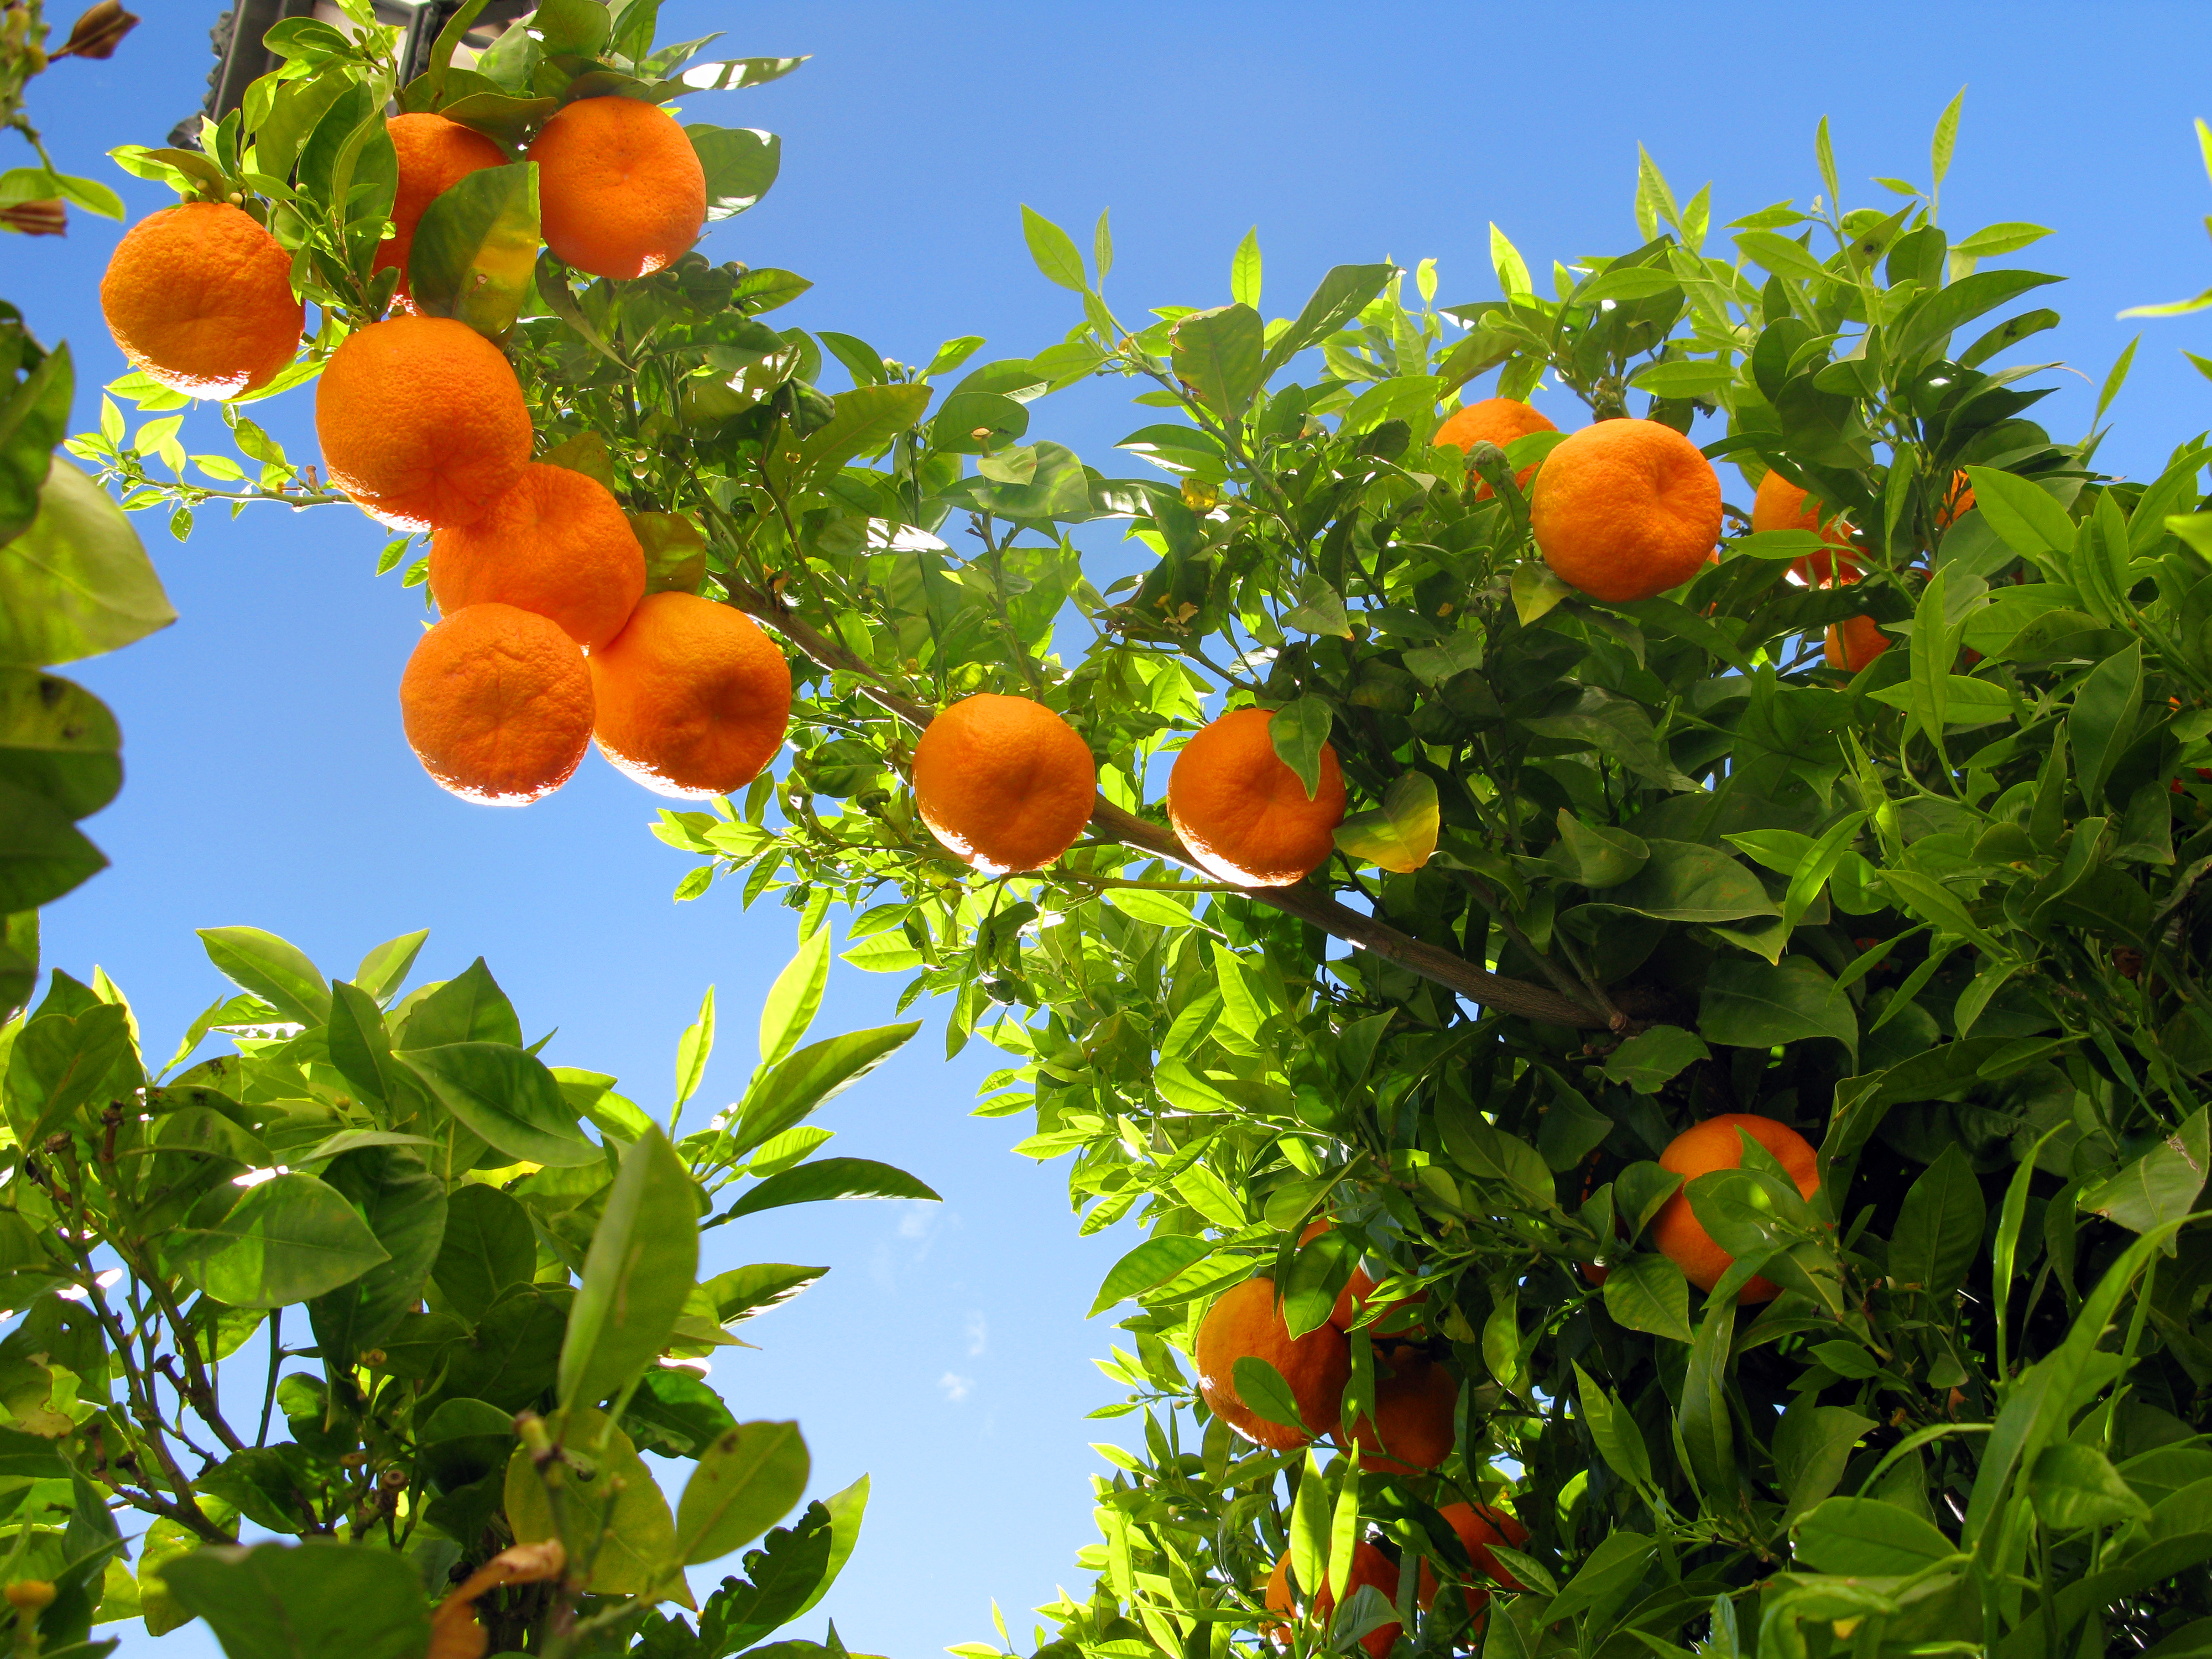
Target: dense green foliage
{"x":1612,"y":869}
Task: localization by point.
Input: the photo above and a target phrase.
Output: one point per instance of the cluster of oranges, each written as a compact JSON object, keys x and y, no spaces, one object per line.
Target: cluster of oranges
{"x":1855,"y":641}
{"x":1006,"y":784}
{"x":1410,"y":1432}
{"x":1622,"y":510}
{"x":547,"y":637}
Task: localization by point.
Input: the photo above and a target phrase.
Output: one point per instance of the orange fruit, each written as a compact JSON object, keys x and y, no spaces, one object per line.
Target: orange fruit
{"x":435,"y":154}
{"x":1368,"y":1566}
{"x":200,"y":299}
{"x":497,"y":705}
{"x":1242,"y":812}
{"x":1493,"y":421}
{"x":1714,"y":1145}
{"x":1479,"y":1527}
{"x":1003,"y":782}
{"x":1624,"y":509}
{"x":1352,"y":1300}
{"x":1245,"y":1322}
{"x":693,"y":698}
{"x":1781,"y":505}
{"x":1853,"y":643}
{"x":555,"y":542}
{"x":1411,"y":1431}
{"x":421,"y":421}
{"x":620,"y":190}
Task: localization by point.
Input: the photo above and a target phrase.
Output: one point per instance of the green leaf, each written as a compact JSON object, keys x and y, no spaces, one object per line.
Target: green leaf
{"x":1652,"y":1058}
{"x":1813,"y":1446}
{"x":42,"y":853}
{"x":621,"y":1509}
{"x":1928,"y":323}
{"x":2025,"y":517}
{"x":467,"y":1008}
{"x":1782,"y":255}
{"x":272,"y":969}
{"x":304,"y":1601}
{"x":644,"y":1254}
{"x":740,"y":164}
{"x":1001,"y":421}
{"x":816,"y":1073}
{"x":1054,"y":251}
{"x":57,"y":740}
{"x":489,"y":1248}
{"x":1243,"y":268}
{"x":1298,"y":732}
{"x":793,"y":999}
{"x":693,"y":1049}
{"x":1610,"y":1571}
{"x":475,"y":251}
{"x":33,"y":419}
{"x":290,"y":1238}
{"x":747,"y":1480}
{"x":1151,"y":1263}
{"x":2160,"y":1186}
{"x":1219,"y":355}
{"x":1343,"y":292}
{"x":2074,"y":1486}
{"x":1938,"y":1233}
{"x":403,"y":1206}
{"x":76,"y":582}
{"x":1647,"y":1292}
{"x":1748,"y":1004}
{"x":862,"y":421}
{"x":1614,"y":1430}
{"x":506,"y":1097}
{"x":385,"y":969}
{"x":1594,"y":856}
{"x":827,"y":1178}
{"x":1683,"y":881}
{"x":1868,"y":1538}
{"x":1262,"y":1391}
{"x":1400,"y":835}
{"x":2104,"y":717}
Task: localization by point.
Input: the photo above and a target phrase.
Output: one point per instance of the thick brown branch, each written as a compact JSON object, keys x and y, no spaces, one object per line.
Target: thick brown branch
{"x":1307,"y":903}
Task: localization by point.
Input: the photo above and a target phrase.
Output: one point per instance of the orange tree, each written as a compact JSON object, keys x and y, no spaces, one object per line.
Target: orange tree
{"x":1668,"y":1027}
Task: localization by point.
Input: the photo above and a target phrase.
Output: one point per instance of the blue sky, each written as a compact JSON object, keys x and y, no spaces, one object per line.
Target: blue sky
{"x":269,"y":784}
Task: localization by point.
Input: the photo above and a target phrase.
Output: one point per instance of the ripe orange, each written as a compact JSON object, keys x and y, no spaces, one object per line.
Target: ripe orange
{"x":1368,"y":1566}
{"x":693,"y":698}
{"x":1242,"y":812}
{"x":1781,"y":505}
{"x":435,"y":154}
{"x":556,"y":544}
{"x":421,"y":421}
{"x":1714,"y":1145}
{"x":1245,"y":1322}
{"x":1003,"y":782}
{"x":1479,"y":1527}
{"x":497,"y":705}
{"x":1853,"y":643}
{"x":200,"y":298}
{"x":1412,"y":1430}
{"x":1493,"y":421}
{"x":1624,"y":509}
{"x":620,"y":190}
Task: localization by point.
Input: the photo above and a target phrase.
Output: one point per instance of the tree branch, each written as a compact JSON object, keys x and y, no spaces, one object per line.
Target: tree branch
{"x":1308,"y":903}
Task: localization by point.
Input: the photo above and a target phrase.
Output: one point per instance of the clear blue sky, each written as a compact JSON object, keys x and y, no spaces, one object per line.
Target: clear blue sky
{"x":268,"y":782}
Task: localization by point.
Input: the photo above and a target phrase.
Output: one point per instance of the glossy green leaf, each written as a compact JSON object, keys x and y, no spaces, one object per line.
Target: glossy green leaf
{"x":1400,"y":835}
{"x":1756,"y":1004}
{"x":1865,"y":1536}
{"x":819,"y":1072}
{"x":506,"y":1097}
{"x":1217,"y":354}
{"x":306,"y":1600}
{"x":1298,"y":732}
{"x":746,"y":1480}
{"x":795,"y":997}
{"x":1650,"y":1059}
{"x":489,"y":1247}
{"x":76,"y":582}
{"x":644,"y":1256}
{"x":1647,"y":1293}
{"x":620,"y":1505}
{"x":475,"y":249}
{"x":289,"y":1238}
{"x":741,"y":163}
{"x":272,"y":969}
{"x":827,"y":1178}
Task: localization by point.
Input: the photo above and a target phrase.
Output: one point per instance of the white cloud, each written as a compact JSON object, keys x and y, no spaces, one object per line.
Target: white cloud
{"x":956,"y":1387}
{"x":979,"y":1334}
{"x":920,"y":1215}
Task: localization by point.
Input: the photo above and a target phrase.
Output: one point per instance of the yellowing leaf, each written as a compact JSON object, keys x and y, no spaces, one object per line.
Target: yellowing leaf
{"x":1400,"y":835}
